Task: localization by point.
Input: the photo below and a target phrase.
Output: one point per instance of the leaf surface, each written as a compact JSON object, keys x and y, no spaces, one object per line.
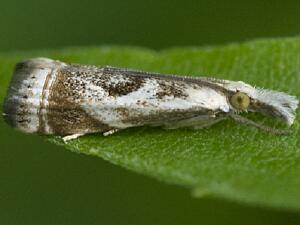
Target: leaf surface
{"x":227,"y":160}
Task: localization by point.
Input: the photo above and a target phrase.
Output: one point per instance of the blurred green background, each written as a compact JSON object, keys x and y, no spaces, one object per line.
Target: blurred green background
{"x":44,"y":184}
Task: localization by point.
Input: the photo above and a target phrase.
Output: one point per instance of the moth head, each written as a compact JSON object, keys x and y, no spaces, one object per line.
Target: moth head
{"x":240,"y":101}
{"x":244,"y":97}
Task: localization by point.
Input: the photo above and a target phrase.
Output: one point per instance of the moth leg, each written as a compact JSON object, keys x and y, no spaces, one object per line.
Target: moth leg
{"x":110,"y":132}
{"x":246,"y":121}
{"x":197,"y":122}
{"x":71,"y":137}
{"x":209,"y":123}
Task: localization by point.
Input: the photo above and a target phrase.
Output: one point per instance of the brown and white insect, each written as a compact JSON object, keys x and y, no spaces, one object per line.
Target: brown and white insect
{"x":52,"y":97}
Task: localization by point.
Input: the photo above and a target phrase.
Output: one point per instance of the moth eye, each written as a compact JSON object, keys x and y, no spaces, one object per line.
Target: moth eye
{"x":240,"y":101}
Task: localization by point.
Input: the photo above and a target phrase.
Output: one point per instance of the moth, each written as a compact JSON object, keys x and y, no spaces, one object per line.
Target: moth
{"x":51,"y":97}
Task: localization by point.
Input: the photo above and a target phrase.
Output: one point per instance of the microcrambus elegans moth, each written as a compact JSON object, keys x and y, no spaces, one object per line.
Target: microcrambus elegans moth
{"x":52,"y":97}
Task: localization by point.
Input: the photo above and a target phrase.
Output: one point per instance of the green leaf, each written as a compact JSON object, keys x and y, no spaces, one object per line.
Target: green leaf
{"x":227,"y":160}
